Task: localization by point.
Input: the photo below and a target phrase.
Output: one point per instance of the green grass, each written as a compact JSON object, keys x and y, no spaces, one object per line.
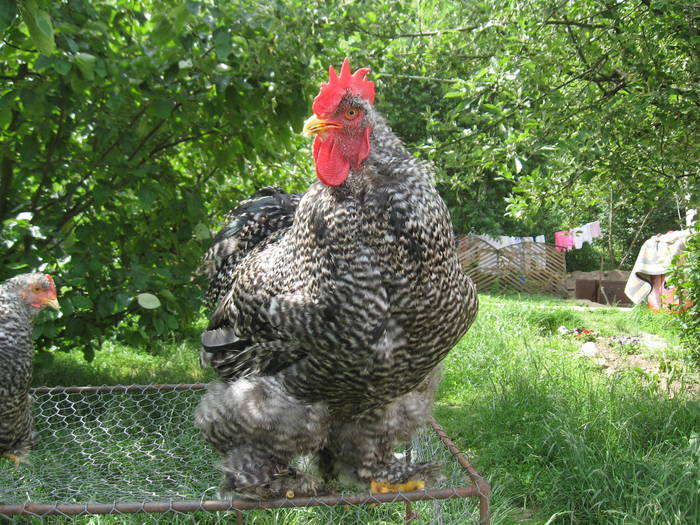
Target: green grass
{"x":560,"y":440}
{"x":563,"y":440}
{"x":117,"y":364}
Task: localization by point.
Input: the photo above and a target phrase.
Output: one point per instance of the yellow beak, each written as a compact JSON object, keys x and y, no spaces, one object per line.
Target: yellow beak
{"x":315,"y":125}
{"x":53,"y":303}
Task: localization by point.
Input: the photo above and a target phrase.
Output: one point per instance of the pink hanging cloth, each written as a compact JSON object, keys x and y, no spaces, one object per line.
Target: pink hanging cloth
{"x":563,"y":241}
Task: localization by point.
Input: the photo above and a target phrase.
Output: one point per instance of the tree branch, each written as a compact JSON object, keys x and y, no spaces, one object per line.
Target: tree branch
{"x":582,"y":57}
{"x":134,"y":119}
{"x":437,"y":32}
{"x":4,"y":41}
{"x":148,"y":135}
{"x":161,"y":147}
{"x":50,"y":149}
{"x":18,"y":76}
{"x":420,"y":34}
{"x":573,"y":23}
{"x":417,"y":77}
{"x":145,"y":138}
{"x":529,"y":101}
{"x":7,"y":171}
{"x":201,"y":179}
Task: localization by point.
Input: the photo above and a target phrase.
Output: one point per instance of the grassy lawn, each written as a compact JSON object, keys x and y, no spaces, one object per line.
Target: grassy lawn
{"x":562,"y":438}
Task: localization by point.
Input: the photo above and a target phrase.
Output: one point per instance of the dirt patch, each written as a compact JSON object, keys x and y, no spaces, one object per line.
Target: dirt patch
{"x":612,"y":359}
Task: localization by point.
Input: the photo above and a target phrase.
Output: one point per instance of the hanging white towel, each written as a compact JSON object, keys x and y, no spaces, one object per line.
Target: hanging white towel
{"x":582,"y":234}
{"x":595,"y":229}
{"x":654,"y":258}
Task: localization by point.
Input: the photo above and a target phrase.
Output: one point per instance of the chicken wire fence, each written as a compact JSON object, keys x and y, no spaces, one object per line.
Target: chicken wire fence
{"x":131,"y":454}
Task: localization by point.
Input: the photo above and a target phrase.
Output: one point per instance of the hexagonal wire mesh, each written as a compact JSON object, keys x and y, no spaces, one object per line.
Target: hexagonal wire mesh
{"x":130,"y":450}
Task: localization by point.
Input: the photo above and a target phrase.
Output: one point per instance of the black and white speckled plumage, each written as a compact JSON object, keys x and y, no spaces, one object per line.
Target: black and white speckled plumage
{"x":16,"y":315}
{"x":329,"y":333}
{"x":250,"y":223}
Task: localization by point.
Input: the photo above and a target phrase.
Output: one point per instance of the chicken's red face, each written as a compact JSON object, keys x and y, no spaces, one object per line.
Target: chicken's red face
{"x":342,"y":133}
{"x":41,"y":292}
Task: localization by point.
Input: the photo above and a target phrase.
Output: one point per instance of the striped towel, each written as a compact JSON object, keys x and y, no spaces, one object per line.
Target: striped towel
{"x":654,"y":259}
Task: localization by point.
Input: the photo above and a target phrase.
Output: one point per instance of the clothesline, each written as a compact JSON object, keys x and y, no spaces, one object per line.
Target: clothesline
{"x":501,"y":241}
{"x":563,"y":240}
{"x":529,"y":252}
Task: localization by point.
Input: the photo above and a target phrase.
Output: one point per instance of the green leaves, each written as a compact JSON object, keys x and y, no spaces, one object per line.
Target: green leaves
{"x":163,"y":31}
{"x":201,"y":232}
{"x":148,"y":301}
{"x":685,"y":279}
{"x":8,"y":12}
{"x":121,"y":188}
{"x":86,"y":64}
{"x":39,"y":24}
{"x":61,"y":65}
{"x":222,"y":43}
{"x":161,"y":107}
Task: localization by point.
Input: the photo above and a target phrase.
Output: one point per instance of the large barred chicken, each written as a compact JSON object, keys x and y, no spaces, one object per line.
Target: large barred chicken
{"x":332,"y":311}
{"x":21,"y":298}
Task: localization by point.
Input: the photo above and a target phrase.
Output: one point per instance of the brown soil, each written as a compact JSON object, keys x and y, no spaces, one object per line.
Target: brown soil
{"x":671,"y":377}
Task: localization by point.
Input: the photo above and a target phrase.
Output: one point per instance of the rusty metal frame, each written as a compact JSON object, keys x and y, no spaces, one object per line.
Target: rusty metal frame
{"x":477,"y":486}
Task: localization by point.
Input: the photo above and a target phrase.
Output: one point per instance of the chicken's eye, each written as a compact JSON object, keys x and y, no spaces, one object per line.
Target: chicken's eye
{"x":351,"y":113}
{"x":36,"y":288}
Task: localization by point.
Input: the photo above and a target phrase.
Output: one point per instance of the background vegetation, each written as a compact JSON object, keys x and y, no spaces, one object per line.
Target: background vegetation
{"x":130,"y":127}
{"x":685,"y":278}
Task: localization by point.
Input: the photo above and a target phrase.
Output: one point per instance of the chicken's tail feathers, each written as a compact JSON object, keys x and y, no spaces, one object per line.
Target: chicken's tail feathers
{"x":254,"y":220}
{"x":271,"y":208}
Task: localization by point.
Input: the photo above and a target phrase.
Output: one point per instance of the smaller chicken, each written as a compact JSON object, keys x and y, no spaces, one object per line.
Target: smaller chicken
{"x":21,"y":299}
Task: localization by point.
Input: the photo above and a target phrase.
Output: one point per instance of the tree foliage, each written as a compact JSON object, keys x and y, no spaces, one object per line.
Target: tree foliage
{"x":685,"y":279}
{"x":579,"y":109}
{"x":129,"y":127}
{"x":118,"y":145}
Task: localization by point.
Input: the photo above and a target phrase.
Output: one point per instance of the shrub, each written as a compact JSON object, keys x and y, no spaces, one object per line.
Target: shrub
{"x":685,"y":277}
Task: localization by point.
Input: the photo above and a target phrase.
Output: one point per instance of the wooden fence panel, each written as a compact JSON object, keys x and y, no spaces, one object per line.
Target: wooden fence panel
{"x":524,"y":267}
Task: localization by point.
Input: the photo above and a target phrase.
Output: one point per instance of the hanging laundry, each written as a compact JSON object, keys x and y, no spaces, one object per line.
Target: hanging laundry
{"x":595,"y":228}
{"x":582,"y":234}
{"x":578,"y":237}
{"x":539,"y":238}
{"x":502,"y":241}
{"x":563,"y":240}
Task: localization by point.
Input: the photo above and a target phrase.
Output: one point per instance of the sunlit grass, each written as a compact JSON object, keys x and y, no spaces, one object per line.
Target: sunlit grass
{"x":173,"y":362}
{"x":561,"y":438}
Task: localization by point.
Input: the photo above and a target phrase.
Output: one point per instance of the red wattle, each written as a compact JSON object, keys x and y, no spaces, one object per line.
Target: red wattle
{"x":332,"y":167}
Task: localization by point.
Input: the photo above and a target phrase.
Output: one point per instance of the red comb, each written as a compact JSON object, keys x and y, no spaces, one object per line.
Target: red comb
{"x":330,"y":94}
{"x":52,"y":286}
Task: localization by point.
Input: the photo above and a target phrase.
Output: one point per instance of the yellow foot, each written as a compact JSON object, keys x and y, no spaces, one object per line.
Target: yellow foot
{"x":15,"y":459}
{"x":384,"y":487}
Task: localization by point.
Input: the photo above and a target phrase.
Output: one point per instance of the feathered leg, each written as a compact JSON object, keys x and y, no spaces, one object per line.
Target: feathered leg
{"x":17,"y":436}
{"x":258,"y":428}
{"x":362,"y":449}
